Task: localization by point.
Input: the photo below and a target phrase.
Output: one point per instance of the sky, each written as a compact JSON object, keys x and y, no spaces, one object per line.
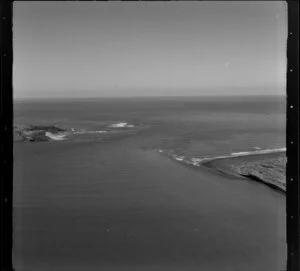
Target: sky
{"x":111,"y":49}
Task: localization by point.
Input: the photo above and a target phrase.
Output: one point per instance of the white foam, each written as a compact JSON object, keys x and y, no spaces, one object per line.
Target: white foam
{"x":237,"y":154}
{"x":90,"y":132}
{"x":258,"y":152}
{"x":100,"y":132}
{"x":179,"y":158}
{"x":55,"y":136}
{"x":197,"y":161}
{"x":121,"y":125}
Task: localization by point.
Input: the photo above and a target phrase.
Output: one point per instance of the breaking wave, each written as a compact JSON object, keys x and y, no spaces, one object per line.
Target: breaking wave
{"x":55,"y":136}
{"x":121,"y":125}
{"x":90,"y":132}
{"x":258,"y":152}
{"x":195,"y":161}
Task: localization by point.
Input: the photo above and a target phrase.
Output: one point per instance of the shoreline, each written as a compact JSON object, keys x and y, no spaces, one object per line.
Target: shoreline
{"x":266,"y":168}
{"x":46,"y":133}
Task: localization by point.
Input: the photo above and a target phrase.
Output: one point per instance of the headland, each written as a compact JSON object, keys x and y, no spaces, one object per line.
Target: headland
{"x":268,"y":168}
{"x":38,"y":133}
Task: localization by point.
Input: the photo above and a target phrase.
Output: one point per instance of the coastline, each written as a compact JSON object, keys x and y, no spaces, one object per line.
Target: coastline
{"x":267,"y":168}
{"x":45,"y":133}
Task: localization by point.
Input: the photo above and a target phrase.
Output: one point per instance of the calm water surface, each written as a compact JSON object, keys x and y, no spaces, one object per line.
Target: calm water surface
{"x":109,"y":202}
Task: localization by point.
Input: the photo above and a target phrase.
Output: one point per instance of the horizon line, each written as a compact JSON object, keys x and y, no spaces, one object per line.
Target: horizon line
{"x":145,"y":97}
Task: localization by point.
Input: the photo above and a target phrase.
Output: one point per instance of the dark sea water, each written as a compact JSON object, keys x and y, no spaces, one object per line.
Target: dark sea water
{"x":110,"y":202}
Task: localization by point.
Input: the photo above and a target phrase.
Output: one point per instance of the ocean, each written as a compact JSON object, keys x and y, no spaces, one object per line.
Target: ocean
{"x":107,"y":199}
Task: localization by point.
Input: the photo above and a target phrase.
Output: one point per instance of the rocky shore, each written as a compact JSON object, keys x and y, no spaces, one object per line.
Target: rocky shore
{"x":265,"y":168}
{"x":36,"y":133}
{"x":39,"y":133}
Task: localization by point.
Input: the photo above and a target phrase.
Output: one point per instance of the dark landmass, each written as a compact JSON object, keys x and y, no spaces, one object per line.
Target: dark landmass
{"x":38,"y":133}
{"x":51,"y":129}
{"x":35,"y":133}
{"x":265,"y":168}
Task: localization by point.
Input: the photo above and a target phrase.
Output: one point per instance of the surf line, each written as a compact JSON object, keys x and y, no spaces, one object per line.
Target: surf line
{"x":238,"y":154}
{"x":198,"y":161}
